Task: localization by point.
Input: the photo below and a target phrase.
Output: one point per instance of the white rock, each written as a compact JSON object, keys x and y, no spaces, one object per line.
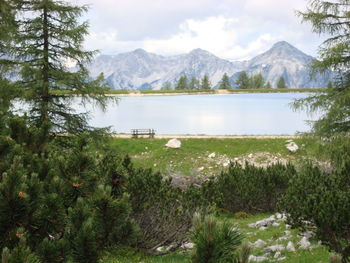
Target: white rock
{"x":253,"y":258}
{"x":292,"y":146}
{"x":200,"y":169}
{"x":259,"y":243}
{"x":225,"y":164}
{"x":304,"y":243}
{"x":288,"y":226}
{"x":187,"y":245}
{"x":275,"y":224}
{"x":274,"y":248}
{"x":278,"y":215}
{"x":262,"y":228}
{"x":277,"y":254}
{"x":212,"y":155}
{"x":173,"y":143}
{"x":290,"y":246}
{"x":250,"y":156}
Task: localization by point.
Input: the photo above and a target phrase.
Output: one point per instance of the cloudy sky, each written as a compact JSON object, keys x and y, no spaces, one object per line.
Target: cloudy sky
{"x":230,"y":29}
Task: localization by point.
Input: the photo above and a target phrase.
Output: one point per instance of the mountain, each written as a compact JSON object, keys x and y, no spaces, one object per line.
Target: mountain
{"x":140,"y":69}
{"x":285,"y":60}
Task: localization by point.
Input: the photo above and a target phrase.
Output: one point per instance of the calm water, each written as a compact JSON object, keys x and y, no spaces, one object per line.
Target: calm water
{"x":234,"y":114}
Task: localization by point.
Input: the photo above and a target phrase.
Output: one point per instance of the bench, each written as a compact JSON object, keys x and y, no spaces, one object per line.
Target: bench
{"x":136,"y":132}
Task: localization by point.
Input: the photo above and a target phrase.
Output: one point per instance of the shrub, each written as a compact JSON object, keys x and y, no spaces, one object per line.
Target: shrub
{"x":214,"y":241}
{"x":242,"y":215}
{"x":249,"y":188}
{"x":320,"y":202}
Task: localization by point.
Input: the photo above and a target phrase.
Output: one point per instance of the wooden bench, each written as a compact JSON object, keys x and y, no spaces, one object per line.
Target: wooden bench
{"x":136,"y":132}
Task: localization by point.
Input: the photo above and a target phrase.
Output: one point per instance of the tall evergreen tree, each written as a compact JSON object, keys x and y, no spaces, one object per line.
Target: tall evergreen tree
{"x":205,"y":83}
{"x":257,"y":81}
{"x":331,"y":18}
{"x":281,"y":84}
{"x":225,"y":82}
{"x":50,"y":34}
{"x":243,"y":81}
{"x":193,"y":84}
{"x":182,"y":83}
{"x":268,"y":85}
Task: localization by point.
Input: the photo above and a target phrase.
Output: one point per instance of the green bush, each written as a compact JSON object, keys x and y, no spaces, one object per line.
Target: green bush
{"x":214,"y":241}
{"x":320,"y":202}
{"x":249,"y":188}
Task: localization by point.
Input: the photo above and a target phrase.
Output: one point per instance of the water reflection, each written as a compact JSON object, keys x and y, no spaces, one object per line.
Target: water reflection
{"x":241,"y":114}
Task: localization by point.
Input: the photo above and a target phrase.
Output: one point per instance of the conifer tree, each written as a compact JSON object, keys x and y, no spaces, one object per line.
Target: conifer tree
{"x":205,"y":83}
{"x":331,"y":18}
{"x":257,"y":81}
{"x":193,"y":84}
{"x":268,"y":85}
{"x":49,"y":35}
{"x":242,"y":81}
{"x":281,"y":84}
{"x":182,"y":83}
{"x":225,"y":82}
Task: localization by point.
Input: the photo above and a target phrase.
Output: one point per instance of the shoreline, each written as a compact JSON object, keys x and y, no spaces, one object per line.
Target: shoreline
{"x":214,"y":92}
{"x":191,"y":136}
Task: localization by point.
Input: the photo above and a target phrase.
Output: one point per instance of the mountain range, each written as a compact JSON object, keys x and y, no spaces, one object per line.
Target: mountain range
{"x":140,"y":69}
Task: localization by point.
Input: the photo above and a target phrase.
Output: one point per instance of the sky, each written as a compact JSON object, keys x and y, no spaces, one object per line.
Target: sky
{"x":230,"y":29}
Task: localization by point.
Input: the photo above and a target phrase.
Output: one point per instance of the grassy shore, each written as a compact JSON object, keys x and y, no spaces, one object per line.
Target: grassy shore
{"x":193,"y":156}
{"x":183,"y":92}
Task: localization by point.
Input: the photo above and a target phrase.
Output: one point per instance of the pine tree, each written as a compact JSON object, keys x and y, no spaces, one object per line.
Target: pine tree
{"x":331,"y":18}
{"x":182,"y":83}
{"x":193,"y":84}
{"x":281,"y":84}
{"x":49,"y":34}
{"x":205,"y":83}
{"x":268,"y":85}
{"x":243,"y":81}
{"x":166,"y":86}
{"x":225,"y":82}
{"x":257,"y":81}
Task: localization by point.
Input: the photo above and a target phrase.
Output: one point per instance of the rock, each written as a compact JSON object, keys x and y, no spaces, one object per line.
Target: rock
{"x":278,"y":215}
{"x":250,"y":155}
{"x":212,"y":155}
{"x":187,"y":245}
{"x":287,"y":233}
{"x":173,"y":143}
{"x":288,"y":226}
{"x":275,"y":224}
{"x":253,"y":258}
{"x":264,"y":222}
{"x":277,"y":254}
{"x":290,"y":246}
{"x":304,"y":243}
{"x":307,"y":234}
{"x":292,"y":146}
{"x":259,"y":243}
{"x":225,"y":164}
{"x":262,"y":228}
{"x":200,"y":169}
{"x":274,"y":248}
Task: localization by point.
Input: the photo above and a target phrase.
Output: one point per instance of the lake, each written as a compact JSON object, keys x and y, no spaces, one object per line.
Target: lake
{"x":229,"y":114}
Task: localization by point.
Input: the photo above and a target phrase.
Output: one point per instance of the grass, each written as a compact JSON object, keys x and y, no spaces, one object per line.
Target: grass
{"x":193,"y":154}
{"x":318,"y":254}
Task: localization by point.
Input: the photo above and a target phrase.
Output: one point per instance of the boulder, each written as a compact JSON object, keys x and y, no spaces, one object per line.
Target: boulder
{"x":259,"y":243}
{"x":290,"y":246}
{"x":292,"y":146}
{"x":173,"y":143}
{"x":212,"y":155}
{"x":274,"y":248}
{"x":304,"y":243}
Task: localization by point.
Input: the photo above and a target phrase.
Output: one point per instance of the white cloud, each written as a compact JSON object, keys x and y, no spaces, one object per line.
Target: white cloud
{"x":231,"y":29}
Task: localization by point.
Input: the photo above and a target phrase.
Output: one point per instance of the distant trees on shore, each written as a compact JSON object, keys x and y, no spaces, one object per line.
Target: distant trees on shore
{"x":244,"y":81}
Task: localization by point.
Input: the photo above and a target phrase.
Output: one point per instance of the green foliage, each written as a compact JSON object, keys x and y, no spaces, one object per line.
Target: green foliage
{"x":268,"y":85}
{"x":225,"y":82}
{"x":182,"y":83}
{"x":167,"y":86}
{"x":256,"y":81}
{"x":242,"y":214}
{"x":194,"y":84}
{"x":205,"y":83}
{"x":214,"y":241}
{"x":281,"y":84}
{"x":331,"y":18}
{"x":249,"y":189}
{"x":242,"y":81}
{"x":320,"y":202}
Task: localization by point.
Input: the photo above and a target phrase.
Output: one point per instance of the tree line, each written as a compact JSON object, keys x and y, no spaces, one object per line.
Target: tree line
{"x":244,"y":81}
